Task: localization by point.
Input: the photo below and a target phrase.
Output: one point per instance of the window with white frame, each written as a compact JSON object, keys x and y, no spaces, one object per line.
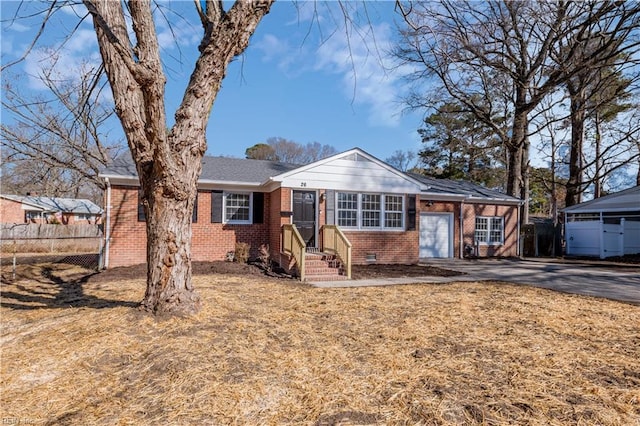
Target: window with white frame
{"x":489,"y":230}
{"x":237,"y":207}
{"x":370,"y":211}
{"x":33,"y":215}
{"x":347,"y":207}
{"x":393,"y":209}
{"x":82,"y":216}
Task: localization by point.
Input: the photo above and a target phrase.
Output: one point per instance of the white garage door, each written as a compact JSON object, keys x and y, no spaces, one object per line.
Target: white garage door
{"x":436,"y":235}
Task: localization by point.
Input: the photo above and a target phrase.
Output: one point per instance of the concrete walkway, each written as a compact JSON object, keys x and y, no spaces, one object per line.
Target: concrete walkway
{"x":611,"y":281}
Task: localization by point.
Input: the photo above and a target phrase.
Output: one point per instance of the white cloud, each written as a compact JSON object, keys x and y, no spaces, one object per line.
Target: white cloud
{"x":74,"y":9}
{"x":306,"y":12}
{"x":280,"y":51}
{"x":182,"y":33}
{"x":366,"y":70}
{"x":17,"y":27}
{"x":83,"y":41}
{"x":65,"y":62}
{"x":355,"y":50}
{"x":62,"y":64}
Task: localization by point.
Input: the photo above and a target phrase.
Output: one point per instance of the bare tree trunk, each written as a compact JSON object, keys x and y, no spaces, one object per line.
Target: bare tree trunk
{"x":574,"y":184}
{"x":638,"y":161}
{"x":517,"y":152}
{"x":638,"y":174}
{"x":168,"y":162}
{"x":169,"y":256}
{"x":597,"y":179}
{"x":554,"y":189}
{"x":526,"y":176}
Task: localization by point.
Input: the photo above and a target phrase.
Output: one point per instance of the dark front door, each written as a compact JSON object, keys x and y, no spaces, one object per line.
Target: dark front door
{"x":304,"y":215}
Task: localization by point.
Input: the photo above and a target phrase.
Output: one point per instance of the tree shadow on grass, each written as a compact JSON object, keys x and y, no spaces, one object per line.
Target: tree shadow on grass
{"x":49,"y":290}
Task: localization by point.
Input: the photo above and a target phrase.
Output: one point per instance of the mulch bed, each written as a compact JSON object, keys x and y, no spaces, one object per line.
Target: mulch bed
{"x":358,"y":272}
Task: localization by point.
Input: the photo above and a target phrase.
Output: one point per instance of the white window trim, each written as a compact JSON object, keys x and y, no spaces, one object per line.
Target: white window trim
{"x":382,"y":212}
{"x":488,"y":231}
{"x":402,"y":212}
{"x":224,"y":208}
{"x":361,"y":211}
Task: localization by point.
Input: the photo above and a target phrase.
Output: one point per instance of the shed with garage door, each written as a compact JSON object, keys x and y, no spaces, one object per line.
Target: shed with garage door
{"x":608,"y":226}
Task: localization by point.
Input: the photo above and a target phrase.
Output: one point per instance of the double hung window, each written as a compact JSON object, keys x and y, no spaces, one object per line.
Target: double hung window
{"x":370,"y":211}
{"x":237,"y":207}
{"x":489,"y":230}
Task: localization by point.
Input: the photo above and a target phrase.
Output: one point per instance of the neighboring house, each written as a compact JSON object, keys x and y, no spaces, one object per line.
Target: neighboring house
{"x":604,"y":227}
{"x":36,"y":209}
{"x":350,"y":204}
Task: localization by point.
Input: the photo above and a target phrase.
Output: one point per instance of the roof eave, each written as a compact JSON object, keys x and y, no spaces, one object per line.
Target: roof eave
{"x":219,"y":183}
{"x":441,"y":196}
{"x":600,"y":210}
{"x":495,"y":200}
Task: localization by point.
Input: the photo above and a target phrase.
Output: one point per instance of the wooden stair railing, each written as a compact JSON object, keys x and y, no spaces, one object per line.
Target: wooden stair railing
{"x":335,"y":242}
{"x":294,"y":245}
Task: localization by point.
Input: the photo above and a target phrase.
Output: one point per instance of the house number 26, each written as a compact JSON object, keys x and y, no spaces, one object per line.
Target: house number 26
{"x":303,"y":184}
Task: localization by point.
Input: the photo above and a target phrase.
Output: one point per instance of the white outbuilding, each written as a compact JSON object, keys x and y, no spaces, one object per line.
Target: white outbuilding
{"x":604,"y":227}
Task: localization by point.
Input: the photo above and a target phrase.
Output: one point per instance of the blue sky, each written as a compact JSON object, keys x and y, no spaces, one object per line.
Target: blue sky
{"x":302,"y":77}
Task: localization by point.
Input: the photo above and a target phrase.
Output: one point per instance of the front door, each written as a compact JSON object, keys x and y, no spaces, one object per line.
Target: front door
{"x":304,"y":215}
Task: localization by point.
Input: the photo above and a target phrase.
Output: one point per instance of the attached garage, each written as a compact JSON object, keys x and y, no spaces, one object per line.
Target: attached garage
{"x":436,"y":235}
{"x":605,"y":227}
{"x":461,"y":219}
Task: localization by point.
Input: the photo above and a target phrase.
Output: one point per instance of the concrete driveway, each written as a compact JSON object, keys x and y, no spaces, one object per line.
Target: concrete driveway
{"x":617,"y":282}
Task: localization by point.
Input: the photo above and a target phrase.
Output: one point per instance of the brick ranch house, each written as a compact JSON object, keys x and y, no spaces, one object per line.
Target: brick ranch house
{"x":42,"y":210}
{"x":350,"y":208}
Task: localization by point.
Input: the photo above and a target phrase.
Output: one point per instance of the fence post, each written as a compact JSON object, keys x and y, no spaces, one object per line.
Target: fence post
{"x":100,"y":265}
{"x":621,"y":238}
{"x":14,"y":257}
{"x":601,"y":232}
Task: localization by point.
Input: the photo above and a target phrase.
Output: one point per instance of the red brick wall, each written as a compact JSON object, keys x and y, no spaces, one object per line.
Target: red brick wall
{"x":275,"y":221}
{"x":510,"y":214}
{"x":11,"y":211}
{"x":128,"y":244}
{"x":210,"y":241}
{"x":388,"y":246}
{"x":470,"y":211}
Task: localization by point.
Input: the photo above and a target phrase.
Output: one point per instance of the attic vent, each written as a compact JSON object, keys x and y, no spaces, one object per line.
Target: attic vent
{"x":357,"y":157}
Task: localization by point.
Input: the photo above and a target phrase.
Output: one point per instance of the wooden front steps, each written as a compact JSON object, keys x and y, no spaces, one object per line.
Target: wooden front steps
{"x":323,"y":267}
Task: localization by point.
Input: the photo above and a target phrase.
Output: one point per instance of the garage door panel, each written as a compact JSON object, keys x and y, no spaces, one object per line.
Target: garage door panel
{"x":436,"y":232}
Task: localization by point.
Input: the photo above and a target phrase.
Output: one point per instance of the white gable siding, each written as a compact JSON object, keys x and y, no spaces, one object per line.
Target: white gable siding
{"x":347,"y":175}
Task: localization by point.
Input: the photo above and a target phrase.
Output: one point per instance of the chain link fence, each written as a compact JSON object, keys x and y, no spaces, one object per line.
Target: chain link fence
{"x":37,"y":243}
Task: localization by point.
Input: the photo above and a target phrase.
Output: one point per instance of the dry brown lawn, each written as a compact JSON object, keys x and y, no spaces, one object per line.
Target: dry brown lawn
{"x":270,"y":352}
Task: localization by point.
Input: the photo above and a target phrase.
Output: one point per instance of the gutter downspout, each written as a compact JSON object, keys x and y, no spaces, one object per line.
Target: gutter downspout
{"x":518,"y":252}
{"x":461,"y":229}
{"x":107,"y":227}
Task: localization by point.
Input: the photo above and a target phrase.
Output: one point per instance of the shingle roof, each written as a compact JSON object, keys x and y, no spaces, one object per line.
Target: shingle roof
{"x":56,"y":204}
{"x":241,"y":170}
{"x":217,"y":169}
{"x":460,"y":187}
{"x":626,"y":200}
